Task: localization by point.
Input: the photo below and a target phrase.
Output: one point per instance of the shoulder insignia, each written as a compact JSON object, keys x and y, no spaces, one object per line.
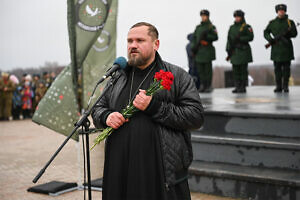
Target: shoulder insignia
{"x":242,"y":27}
{"x":289,"y":23}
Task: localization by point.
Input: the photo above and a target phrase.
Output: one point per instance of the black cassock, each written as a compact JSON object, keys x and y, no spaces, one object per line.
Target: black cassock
{"x":133,"y":168}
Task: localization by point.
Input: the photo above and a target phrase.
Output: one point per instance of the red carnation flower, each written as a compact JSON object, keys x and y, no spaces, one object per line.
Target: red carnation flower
{"x":166,"y":79}
{"x":162,"y":81}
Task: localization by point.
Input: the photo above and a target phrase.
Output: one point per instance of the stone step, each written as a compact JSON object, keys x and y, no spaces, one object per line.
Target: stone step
{"x":244,"y":181}
{"x":250,"y":124}
{"x":269,"y":152}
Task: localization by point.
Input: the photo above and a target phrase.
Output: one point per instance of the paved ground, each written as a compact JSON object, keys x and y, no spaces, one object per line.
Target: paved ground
{"x":25,"y":148}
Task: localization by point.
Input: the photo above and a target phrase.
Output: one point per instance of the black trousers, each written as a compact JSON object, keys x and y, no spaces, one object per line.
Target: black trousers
{"x":205,"y":71}
{"x":282,"y":70}
{"x":240,"y":72}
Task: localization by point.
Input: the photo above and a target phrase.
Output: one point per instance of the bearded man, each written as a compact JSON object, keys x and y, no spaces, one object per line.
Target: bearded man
{"x":147,"y":158}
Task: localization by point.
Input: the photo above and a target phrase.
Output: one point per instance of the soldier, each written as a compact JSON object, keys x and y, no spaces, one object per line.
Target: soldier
{"x":35,"y":86}
{"x":204,"y":51}
{"x":191,"y":61}
{"x":35,"y":81}
{"x":47,"y":80}
{"x":239,"y":50}
{"x":6,"y":87}
{"x":282,"y":30}
{"x":40,"y":91}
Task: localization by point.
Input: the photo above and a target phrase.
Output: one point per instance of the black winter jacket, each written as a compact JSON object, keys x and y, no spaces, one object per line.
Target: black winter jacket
{"x":176,"y":112}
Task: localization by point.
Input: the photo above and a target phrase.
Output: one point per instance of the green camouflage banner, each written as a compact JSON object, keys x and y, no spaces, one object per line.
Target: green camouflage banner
{"x":58,"y":110}
{"x":92,"y":38}
{"x":102,"y":52}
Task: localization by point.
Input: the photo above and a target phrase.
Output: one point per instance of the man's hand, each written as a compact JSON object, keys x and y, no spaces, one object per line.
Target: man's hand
{"x":141,"y":100}
{"x":115,"y":120}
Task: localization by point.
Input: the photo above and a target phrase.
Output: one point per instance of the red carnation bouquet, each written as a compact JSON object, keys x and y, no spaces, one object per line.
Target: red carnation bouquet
{"x":162,"y":81}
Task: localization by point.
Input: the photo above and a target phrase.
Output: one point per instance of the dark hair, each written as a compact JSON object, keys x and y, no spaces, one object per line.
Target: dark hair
{"x":152,"y":31}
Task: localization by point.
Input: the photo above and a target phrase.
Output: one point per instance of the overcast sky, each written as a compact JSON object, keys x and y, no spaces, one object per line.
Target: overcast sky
{"x":35,"y":31}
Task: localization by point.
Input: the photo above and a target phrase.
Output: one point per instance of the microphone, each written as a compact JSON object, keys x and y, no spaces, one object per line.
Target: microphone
{"x":119,"y":63}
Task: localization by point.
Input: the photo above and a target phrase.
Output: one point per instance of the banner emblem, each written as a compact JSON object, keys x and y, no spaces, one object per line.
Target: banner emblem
{"x":91,"y":15}
{"x":103,"y":41}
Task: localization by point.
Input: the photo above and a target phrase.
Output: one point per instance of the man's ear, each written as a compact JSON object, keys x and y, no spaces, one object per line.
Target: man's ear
{"x":156,"y":44}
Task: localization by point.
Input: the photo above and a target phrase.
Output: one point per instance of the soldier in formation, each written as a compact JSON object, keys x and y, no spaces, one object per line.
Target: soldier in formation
{"x":279,"y":33}
{"x":239,"y":50}
{"x":204,"y":51}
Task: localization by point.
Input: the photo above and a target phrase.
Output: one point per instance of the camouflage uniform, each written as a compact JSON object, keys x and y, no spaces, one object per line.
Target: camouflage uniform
{"x":40,"y":91}
{"x":7,"y":88}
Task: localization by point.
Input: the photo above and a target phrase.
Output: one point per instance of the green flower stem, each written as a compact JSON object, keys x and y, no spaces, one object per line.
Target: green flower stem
{"x":104,"y":134}
{"x":128,"y":112}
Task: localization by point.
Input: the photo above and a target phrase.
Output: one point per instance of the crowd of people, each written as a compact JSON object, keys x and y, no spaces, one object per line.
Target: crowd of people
{"x":20,"y":97}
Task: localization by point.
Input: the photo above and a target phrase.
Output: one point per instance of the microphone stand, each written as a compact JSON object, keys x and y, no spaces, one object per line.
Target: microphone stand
{"x":85,"y":123}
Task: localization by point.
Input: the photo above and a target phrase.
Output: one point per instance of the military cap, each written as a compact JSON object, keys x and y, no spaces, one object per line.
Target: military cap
{"x":204,"y":12}
{"x":238,"y":13}
{"x":280,"y":7}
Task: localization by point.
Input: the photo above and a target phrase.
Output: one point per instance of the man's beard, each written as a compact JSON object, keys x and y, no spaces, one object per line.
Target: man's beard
{"x":138,"y":59}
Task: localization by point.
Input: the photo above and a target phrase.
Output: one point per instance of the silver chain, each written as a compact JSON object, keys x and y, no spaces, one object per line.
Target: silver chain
{"x":130,"y":92}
